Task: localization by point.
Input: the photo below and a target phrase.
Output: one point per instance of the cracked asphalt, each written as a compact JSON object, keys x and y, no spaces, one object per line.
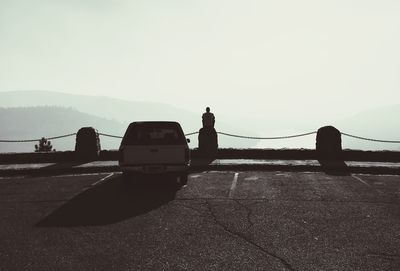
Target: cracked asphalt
{"x":218,"y":221}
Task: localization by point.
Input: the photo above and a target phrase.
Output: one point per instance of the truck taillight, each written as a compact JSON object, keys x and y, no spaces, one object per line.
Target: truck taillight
{"x":187,"y":155}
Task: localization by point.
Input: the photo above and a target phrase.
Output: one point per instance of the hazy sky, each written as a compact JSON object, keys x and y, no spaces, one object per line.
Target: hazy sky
{"x":277,"y":57}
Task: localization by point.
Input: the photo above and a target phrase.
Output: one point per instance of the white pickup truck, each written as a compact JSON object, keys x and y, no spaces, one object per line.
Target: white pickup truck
{"x":155,"y":147}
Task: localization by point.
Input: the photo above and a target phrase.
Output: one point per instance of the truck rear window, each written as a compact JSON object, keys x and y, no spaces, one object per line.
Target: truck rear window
{"x":154,"y":134}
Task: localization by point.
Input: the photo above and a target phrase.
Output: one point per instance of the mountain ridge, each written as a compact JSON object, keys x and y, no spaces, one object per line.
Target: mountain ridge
{"x":27,"y":123}
{"x":379,"y":122}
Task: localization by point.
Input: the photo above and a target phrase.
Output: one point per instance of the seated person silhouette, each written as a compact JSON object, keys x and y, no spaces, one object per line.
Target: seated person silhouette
{"x":208,"y":119}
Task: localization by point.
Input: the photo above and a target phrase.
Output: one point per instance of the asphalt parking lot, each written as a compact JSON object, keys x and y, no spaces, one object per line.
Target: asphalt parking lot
{"x":222,"y":220}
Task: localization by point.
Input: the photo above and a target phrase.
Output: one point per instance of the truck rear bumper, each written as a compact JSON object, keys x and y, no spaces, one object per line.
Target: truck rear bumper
{"x":154,"y":169}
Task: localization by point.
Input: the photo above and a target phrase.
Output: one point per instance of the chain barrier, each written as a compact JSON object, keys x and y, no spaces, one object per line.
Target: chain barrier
{"x":114,"y":136}
{"x":221,"y":133}
{"x":193,"y":133}
{"x":371,"y":139}
{"x":35,"y":140}
{"x":276,"y":137}
{"x":189,"y":134}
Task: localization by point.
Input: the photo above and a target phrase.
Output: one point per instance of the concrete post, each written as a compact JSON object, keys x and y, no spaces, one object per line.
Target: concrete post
{"x":329,"y":144}
{"x":87,"y":145}
{"x":208,"y":142}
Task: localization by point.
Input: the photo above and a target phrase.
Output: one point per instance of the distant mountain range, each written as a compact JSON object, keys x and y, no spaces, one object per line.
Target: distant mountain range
{"x":105,"y":107}
{"x":46,"y":121}
{"x":33,"y":114}
{"x":378,"y":123}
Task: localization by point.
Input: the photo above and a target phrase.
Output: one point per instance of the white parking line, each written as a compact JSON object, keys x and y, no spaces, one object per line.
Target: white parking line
{"x":12,"y":177}
{"x":194,"y":176}
{"x":361,"y":180}
{"x":364,"y":182}
{"x":102,"y":179}
{"x":252,"y":178}
{"x":233,"y":186}
{"x":79,"y":174}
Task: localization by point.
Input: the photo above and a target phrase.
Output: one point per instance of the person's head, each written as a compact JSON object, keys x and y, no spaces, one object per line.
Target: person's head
{"x":207,"y":109}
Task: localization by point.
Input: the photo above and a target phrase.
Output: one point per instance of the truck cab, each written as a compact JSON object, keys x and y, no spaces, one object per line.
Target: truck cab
{"x":155,"y":147}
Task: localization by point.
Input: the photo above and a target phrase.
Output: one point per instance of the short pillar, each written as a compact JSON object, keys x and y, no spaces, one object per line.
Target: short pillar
{"x":329,"y":144}
{"x":87,"y":145}
{"x":208,"y":142}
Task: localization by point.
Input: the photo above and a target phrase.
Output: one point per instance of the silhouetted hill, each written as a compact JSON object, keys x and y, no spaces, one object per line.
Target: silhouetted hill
{"x":37,"y":122}
{"x":103,"y":112}
{"x":124,"y":112}
{"x":379,"y":123}
{"x":109,"y":108}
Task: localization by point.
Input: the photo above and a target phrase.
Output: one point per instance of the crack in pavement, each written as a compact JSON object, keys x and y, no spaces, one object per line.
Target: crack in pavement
{"x":200,"y":213}
{"x":249,"y":212}
{"x":247,"y":240}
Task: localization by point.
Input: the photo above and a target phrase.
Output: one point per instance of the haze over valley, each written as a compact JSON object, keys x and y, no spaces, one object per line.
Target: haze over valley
{"x":266,"y":68}
{"x":36,"y":114}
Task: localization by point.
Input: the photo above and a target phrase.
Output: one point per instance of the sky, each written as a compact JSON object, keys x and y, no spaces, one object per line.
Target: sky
{"x":300,"y":59}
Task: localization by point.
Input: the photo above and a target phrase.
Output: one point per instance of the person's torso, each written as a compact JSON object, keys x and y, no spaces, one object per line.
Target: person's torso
{"x":208,"y":119}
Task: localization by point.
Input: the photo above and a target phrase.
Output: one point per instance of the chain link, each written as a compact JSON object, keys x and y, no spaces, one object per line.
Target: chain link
{"x":110,"y":135}
{"x":193,"y":133}
{"x":371,"y":139}
{"x":276,"y":137}
{"x":221,"y":133}
{"x":189,"y":134}
{"x":35,"y":140}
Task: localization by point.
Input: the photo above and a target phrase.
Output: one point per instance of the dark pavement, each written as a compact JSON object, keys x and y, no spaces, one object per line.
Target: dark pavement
{"x":222,"y":220}
{"x":206,"y":165}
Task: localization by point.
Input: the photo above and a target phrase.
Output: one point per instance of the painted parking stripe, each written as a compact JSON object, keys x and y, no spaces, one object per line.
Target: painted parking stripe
{"x":103,"y":179}
{"x":194,"y":176}
{"x":361,"y":180}
{"x":79,"y":174}
{"x":233,"y":186}
{"x":251,"y":178}
{"x":364,"y":182}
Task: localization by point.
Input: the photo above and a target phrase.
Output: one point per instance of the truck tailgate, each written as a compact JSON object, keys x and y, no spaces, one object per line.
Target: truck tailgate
{"x":155,"y":154}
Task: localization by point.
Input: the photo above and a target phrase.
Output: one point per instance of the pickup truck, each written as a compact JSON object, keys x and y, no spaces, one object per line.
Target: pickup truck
{"x":155,"y":147}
